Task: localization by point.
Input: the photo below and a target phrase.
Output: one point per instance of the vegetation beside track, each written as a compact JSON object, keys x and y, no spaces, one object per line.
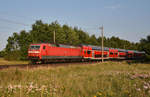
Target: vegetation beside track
{"x":18,"y":43}
{"x":6,"y":62}
{"x":109,"y":79}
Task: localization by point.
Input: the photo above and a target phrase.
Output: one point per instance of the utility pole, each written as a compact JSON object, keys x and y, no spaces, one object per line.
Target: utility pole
{"x":54,"y":36}
{"x":102,"y":28}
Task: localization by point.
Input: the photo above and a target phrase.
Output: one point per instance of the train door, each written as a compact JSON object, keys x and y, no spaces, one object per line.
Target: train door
{"x":85,"y":53}
{"x":89,"y":52}
{"x":116,"y":54}
{"x":44,"y":50}
{"x":111,"y":54}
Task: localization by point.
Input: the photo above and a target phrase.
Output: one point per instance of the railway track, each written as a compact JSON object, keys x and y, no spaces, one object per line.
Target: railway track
{"x":13,"y":66}
{"x":55,"y":64}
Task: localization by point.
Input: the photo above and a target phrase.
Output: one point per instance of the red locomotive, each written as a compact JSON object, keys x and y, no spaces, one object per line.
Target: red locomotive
{"x":46,"y":52}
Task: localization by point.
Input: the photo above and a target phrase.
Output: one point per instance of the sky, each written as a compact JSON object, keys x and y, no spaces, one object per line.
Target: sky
{"x":126,"y":19}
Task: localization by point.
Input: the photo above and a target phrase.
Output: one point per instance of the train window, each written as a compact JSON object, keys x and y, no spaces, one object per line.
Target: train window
{"x":44,"y":47}
{"x":111,"y":53}
{"x":88,"y":52}
{"x":35,"y":47}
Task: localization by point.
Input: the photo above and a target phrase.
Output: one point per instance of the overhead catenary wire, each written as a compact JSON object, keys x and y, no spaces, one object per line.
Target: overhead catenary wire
{"x":13,"y":22}
{"x":18,"y":16}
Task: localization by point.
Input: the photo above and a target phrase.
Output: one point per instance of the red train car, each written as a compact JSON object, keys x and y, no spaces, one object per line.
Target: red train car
{"x":122,"y":53}
{"x":86,"y":51}
{"x":113,"y":53}
{"x":95,"y":52}
{"x":130,"y":54}
{"x":45,"y":52}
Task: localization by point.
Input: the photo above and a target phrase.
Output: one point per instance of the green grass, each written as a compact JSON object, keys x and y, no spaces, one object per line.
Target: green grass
{"x":5,"y":62}
{"x":109,"y":79}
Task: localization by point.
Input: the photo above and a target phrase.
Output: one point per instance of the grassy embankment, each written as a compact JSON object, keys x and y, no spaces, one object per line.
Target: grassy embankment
{"x":5,"y":62}
{"x":110,"y":79}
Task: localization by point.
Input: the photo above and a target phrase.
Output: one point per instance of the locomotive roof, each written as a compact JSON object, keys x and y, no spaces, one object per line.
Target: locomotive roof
{"x":122,"y":50}
{"x":66,"y":46}
{"x":98,"y":48}
{"x":92,"y":46}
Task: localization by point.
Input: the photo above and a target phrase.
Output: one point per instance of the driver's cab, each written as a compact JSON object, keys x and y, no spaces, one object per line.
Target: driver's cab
{"x":36,"y":50}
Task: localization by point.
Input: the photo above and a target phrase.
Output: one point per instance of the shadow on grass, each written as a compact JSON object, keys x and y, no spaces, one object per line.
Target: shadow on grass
{"x":130,"y":62}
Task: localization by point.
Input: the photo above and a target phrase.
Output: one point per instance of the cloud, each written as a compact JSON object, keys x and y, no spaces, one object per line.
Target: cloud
{"x":113,"y":6}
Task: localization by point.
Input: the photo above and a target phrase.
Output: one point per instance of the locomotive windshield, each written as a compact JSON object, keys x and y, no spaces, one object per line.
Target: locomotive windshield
{"x":35,"y":47}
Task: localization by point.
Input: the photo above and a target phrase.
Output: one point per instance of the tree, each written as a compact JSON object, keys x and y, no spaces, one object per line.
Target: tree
{"x":83,"y":36}
{"x":71,"y":35}
{"x":18,"y":43}
{"x":93,"y":40}
{"x":2,"y":53}
{"x":145,"y":45}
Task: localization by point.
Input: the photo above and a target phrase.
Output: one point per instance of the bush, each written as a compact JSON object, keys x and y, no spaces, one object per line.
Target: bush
{"x":2,"y":53}
{"x":15,"y":55}
{"x":147,"y":58}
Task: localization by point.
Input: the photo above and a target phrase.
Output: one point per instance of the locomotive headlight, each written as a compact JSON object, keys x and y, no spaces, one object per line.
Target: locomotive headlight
{"x":34,"y":52}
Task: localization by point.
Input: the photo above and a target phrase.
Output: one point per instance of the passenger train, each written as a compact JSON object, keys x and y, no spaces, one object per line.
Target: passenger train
{"x":46,"y":52}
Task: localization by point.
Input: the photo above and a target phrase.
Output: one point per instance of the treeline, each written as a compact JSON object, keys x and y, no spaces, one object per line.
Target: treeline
{"x":144,"y":45}
{"x":18,"y":43}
